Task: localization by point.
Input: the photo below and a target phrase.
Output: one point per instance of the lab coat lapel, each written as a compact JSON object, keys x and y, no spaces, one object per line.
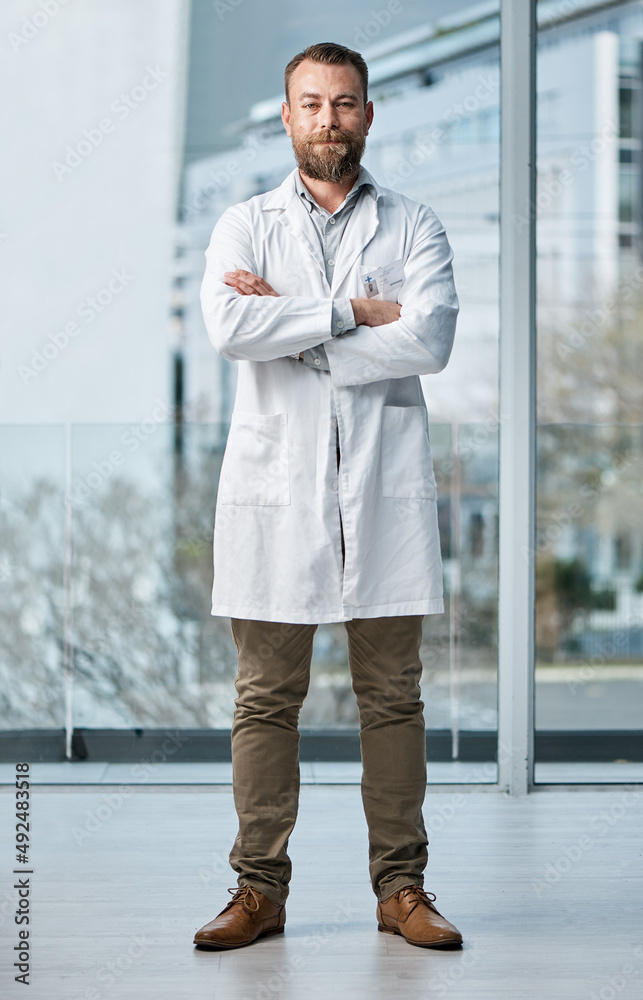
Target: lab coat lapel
{"x":293,"y":218}
{"x":360,"y":230}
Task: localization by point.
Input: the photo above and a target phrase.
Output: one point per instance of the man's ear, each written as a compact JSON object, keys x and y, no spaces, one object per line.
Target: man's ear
{"x":285,"y":117}
{"x":368,"y":111}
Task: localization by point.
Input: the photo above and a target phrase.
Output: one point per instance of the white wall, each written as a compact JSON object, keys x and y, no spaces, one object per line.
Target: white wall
{"x":71,"y":230}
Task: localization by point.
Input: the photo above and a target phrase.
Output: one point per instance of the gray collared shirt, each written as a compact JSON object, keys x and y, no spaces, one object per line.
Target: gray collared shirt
{"x":330,"y":229}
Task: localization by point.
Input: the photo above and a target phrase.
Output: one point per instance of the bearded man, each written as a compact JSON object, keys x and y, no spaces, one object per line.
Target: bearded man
{"x":334,"y":295}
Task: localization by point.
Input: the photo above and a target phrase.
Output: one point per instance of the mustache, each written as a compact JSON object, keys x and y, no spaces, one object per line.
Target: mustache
{"x":331,"y":135}
{"x":331,"y":165}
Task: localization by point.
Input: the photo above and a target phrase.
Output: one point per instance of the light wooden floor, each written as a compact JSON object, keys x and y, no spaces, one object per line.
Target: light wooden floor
{"x":546,"y":890}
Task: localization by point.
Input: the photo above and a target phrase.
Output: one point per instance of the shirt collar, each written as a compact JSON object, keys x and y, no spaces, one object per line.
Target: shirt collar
{"x":364,"y":180}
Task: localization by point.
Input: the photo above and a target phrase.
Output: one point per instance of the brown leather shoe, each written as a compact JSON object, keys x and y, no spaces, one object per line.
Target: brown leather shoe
{"x":411,"y":914}
{"x":248,"y":915}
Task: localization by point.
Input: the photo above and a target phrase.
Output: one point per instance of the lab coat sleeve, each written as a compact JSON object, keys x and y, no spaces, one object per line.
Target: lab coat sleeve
{"x":254,"y":327}
{"x":420,"y":341}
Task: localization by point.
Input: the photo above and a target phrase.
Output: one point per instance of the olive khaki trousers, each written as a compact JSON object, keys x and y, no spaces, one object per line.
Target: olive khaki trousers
{"x":271,"y":683}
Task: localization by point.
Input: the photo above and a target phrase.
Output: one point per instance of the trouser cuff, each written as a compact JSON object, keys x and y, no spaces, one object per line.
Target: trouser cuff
{"x":391,"y":888}
{"x":267,"y":890}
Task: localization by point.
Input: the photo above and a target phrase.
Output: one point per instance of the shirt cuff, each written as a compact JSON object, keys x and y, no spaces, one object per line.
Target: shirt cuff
{"x":343,"y":318}
{"x":315,"y":357}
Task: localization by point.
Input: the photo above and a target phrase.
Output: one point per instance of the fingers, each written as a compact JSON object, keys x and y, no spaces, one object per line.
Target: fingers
{"x":390,"y":311}
{"x":375,"y":312}
{"x":240,"y":285}
{"x":247,"y":283}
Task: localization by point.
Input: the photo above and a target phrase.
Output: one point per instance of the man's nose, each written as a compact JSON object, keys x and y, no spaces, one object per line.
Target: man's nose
{"x":329,"y":117}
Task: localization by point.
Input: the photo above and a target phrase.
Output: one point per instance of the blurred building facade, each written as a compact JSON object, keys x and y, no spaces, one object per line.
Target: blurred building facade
{"x":435,"y":139}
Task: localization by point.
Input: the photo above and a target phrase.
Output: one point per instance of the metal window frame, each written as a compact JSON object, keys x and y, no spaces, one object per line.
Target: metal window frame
{"x":517,"y":409}
{"x":178,"y":745}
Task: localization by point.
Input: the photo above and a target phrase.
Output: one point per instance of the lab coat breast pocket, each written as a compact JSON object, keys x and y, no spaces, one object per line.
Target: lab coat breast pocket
{"x":383,"y":282}
{"x":255,"y":469}
{"x":407,"y":465}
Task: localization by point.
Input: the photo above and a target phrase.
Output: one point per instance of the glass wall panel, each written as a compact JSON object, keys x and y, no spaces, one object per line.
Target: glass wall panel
{"x":129,"y":509}
{"x":589,"y":541}
{"x":146,"y":651}
{"x":32,"y":576}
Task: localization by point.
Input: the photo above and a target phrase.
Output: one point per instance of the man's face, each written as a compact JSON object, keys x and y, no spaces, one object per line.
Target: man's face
{"x":327,"y":120}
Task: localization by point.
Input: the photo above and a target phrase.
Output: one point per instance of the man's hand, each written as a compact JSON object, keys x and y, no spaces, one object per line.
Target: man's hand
{"x":247,"y":283}
{"x":367,"y":312}
{"x":374,"y":312}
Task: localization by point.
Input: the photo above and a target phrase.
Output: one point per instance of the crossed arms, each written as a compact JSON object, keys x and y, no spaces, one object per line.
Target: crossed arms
{"x":367,"y":312}
{"x":247,"y":319}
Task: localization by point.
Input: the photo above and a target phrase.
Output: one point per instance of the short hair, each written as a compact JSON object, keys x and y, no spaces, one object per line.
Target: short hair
{"x":332,"y":55}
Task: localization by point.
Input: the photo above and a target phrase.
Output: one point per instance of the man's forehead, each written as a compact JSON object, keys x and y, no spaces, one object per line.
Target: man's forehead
{"x":311,"y":77}
{"x":315,"y":94}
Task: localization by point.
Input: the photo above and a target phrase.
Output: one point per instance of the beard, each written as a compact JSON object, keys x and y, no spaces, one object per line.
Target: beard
{"x":329,"y":163}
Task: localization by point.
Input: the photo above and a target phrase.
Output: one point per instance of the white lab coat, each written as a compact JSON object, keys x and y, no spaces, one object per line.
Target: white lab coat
{"x":277,"y":542}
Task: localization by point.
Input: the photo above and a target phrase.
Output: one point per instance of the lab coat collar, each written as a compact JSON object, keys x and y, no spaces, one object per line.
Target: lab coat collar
{"x":362,"y":181}
{"x":283,"y":195}
{"x":361,"y":228}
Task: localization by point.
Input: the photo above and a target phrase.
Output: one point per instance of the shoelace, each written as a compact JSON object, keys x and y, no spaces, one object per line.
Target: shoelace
{"x":420,"y":896}
{"x":242,"y":894}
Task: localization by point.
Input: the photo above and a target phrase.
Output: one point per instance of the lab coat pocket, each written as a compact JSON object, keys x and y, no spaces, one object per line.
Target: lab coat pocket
{"x":255,"y":468}
{"x":407,"y":465}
